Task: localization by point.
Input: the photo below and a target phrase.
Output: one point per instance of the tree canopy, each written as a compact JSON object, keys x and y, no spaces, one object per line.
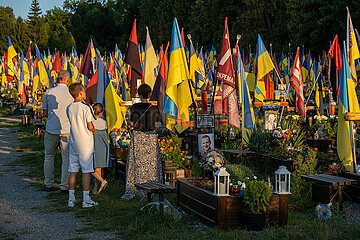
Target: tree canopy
{"x":308,"y":23}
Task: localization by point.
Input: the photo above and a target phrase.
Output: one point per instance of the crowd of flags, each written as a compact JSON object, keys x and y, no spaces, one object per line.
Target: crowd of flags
{"x":177,"y":70}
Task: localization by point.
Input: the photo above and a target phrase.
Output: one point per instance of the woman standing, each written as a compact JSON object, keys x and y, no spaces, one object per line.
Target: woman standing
{"x":143,"y":162}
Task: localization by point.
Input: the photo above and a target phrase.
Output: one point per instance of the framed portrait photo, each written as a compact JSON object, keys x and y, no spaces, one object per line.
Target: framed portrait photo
{"x":205,"y":142}
{"x":271,"y":118}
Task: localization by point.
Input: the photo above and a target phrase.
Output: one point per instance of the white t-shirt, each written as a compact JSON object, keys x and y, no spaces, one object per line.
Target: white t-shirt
{"x":56,"y":100}
{"x":100,"y":124}
{"x":81,"y":138}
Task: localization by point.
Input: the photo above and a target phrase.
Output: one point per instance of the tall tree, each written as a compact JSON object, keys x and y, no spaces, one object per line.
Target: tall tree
{"x":38,"y":29}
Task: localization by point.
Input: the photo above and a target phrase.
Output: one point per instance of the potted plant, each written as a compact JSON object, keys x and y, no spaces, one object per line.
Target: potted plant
{"x":256,"y":200}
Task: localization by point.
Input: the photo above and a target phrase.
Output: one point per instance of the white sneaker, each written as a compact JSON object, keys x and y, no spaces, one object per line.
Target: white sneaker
{"x":89,"y":204}
{"x":71,"y":203}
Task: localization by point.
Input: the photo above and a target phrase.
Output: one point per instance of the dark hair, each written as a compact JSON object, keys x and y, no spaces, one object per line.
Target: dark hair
{"x":98,"y":108}
{"x":144,"y":90}
{"x":206,"y":136}
{"x":63,"y":75}
{"x":75,"y":89}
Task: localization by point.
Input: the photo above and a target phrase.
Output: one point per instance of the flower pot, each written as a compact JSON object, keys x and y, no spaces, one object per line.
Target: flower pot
{"x":255,"y":221}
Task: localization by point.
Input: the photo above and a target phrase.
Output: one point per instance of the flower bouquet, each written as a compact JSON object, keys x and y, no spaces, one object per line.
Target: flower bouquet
{"x":170,"y":150}
{"x":213,"y":160}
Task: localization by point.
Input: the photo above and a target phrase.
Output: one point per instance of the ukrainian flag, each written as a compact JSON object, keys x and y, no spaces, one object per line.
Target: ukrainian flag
{"x":107,"y":96}
{"x":248,"y":118}
{"x":11,"y":53}
{"x":347,"y":103}
{"x":175,"y":99}
{"x":150,"y":62}
{"x":264,"y":66}
{"x":44,"y":75}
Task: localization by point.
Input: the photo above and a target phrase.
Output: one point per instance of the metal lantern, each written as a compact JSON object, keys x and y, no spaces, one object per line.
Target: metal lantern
{"x":282,"y":181}
{"x":221,"y":182}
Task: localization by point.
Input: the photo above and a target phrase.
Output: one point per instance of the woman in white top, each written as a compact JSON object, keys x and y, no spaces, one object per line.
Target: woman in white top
{"x":102,"y":149}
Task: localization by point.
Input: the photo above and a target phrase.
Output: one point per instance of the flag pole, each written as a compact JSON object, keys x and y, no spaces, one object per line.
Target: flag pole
{"x":213,"y":95}
{"x":191,"y":93}
{"x":353,"y":145}
{"x":312,"y":89}
{"x":282,"y":110}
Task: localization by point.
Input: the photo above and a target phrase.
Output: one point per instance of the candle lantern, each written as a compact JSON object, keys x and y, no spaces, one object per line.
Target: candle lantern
{"x":221,"y":182}
{"x":169,"y":175}
{"x":282,"y":181}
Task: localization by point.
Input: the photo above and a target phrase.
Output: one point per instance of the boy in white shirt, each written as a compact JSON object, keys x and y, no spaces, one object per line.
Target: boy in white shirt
{"x":81,"y":150}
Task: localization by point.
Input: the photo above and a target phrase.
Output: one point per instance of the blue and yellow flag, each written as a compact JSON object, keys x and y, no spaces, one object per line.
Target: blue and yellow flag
{"x":150,"y":62}
{"x":264,"y":66}
{"x":175,"y":98}
{"x":44,"y":75}
{"x":347,"y":103}
{"x":11,"y":53}
{"x":106,"y":95}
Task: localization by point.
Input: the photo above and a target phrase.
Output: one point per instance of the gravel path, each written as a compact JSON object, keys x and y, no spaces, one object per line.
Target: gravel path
{"x":23,"y":212}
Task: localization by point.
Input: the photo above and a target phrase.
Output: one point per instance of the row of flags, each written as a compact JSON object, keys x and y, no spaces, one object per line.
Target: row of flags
{"x":176,"y":71}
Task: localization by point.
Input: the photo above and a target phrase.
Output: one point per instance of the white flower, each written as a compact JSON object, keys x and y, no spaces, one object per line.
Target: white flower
{"x":247,"y":178}
{"x":243,"y":185}
{"x":210,"y":159}
{"x":230,"y":184}
{"x":239,"y":183}
{"x":255,"y":177}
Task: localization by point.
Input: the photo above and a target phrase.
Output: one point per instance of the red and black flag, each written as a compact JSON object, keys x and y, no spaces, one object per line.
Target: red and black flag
{"x":133,"y":59}
{"x":86,"y":67}
{"x":91,"y":90}
{"x":335,"y":65}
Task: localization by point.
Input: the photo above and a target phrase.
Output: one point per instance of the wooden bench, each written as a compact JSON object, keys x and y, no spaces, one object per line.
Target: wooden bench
{"x":326,"y":187}
{"x":156,"y":188}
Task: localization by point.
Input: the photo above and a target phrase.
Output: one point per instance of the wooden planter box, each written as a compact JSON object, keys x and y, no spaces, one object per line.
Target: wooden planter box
{"x":225,"y":212}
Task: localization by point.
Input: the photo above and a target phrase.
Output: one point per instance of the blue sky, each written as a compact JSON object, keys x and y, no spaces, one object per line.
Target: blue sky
{"x":21,"y":7}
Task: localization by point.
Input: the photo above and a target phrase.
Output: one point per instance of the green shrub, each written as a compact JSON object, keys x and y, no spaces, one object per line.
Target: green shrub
{"x":238,"y":172}
{"x":257,"y":196}
{"x":305,"y":163}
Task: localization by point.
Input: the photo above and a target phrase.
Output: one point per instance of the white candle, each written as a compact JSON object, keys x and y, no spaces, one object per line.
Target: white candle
{"x":222,"y":188}
{"x":282,"y":187}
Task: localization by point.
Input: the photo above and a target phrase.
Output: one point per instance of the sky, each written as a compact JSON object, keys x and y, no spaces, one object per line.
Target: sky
{"x":21,"y":7}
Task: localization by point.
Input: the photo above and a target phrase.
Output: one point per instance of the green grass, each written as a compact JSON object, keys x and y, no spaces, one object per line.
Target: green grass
{"x":126,"y":220}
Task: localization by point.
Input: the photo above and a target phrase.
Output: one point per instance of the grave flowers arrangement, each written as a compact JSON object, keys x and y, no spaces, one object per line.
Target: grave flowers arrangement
{"x":170,"y":150}
{"x":213,"y":160}
{"x":335,"y":168}
{"x":205,"y":183}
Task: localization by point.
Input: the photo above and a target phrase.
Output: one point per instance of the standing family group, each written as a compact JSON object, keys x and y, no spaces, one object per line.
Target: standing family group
{"x":81,"y":132}
{"x":82,"y":135}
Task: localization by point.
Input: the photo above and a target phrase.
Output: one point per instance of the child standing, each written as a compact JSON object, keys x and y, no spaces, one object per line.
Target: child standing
{"x":102,"y":148}
{"x":81,"y":150}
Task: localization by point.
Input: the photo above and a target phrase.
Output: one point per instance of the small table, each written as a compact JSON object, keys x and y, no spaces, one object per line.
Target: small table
{"x":151,"y":187}
{"x":330,"y":181}
{"x":237,"y":152}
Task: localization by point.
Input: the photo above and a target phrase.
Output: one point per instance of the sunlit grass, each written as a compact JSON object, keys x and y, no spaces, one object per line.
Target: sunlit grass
{"x":127,"y":221}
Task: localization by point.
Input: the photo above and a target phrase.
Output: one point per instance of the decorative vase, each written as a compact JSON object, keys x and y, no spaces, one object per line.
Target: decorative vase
{"x":235,"y":190}
{"x":241,"y":192}
{"x":255,"y":221}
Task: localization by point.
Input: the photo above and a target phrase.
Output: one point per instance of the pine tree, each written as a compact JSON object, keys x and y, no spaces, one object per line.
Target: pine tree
{"x":34,"y":13}
{"x":38,"y":29}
